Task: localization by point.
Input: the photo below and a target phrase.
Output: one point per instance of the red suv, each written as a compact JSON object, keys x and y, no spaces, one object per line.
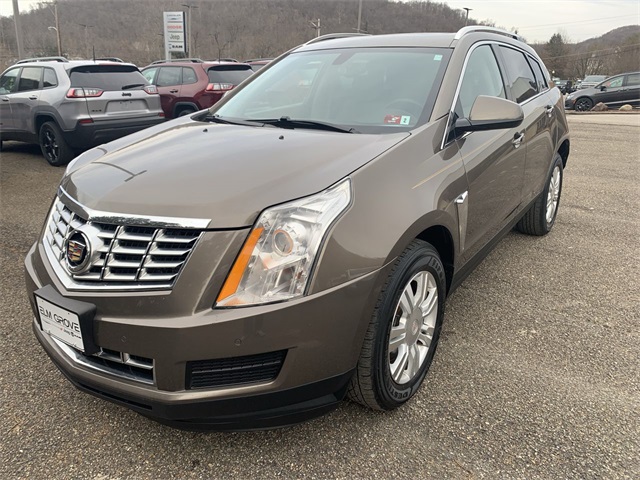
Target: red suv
{"x":188,"y":85}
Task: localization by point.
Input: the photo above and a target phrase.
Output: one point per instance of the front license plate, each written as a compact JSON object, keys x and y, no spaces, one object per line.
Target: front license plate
{"x":60,"y":323}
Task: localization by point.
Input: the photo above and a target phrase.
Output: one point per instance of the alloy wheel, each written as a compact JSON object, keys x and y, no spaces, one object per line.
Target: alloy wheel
{"x":553,"y":194}
{"x":413,"y":327}
{"x":50,"y":145}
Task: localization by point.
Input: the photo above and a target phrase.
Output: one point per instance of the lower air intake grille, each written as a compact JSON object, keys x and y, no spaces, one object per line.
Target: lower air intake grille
{"x":224,"y":372}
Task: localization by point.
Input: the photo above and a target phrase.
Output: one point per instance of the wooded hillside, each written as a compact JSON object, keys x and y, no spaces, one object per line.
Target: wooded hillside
{"x":132,"y":30}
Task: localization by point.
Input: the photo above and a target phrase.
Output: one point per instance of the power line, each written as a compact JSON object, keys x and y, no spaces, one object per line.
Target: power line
{"x":571,"y":23}
{"x":619,"y":50}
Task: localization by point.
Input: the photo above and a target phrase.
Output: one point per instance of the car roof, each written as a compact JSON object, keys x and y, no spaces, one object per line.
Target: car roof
{"x":188,"y":63}
{"x":69,"y":64}
{"x":390,"y":40}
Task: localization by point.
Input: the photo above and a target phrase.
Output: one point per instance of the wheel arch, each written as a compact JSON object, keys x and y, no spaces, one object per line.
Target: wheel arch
{"x":563,"y":151}
{"x":179,"y":106}
{"x":441,"y":239}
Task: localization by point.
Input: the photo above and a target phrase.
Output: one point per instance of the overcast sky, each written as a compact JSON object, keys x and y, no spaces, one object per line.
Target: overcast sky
{"x":536,"y":20}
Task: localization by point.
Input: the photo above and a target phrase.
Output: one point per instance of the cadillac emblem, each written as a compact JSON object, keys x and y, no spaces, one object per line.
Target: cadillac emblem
{"x":77,"y":252}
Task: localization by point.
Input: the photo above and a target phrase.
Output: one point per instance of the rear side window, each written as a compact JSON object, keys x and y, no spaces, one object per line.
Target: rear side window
{"x":523,"y":82}
{"x":537,"y":71}
{"x":108,"y":77}
{"x":8,"y":82}
{"x":481,"y":77}
{"x":188,"y":76}
{"x":169,"y":76}
{"x":49,"y":79}
{"x":30,"y":79}
{"x":149,"y":74}
{"x":229,"y":74}
{"x":633,"y":79}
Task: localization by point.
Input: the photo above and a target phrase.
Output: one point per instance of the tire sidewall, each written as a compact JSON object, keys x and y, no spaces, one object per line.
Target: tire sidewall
{"x":391,"y":395}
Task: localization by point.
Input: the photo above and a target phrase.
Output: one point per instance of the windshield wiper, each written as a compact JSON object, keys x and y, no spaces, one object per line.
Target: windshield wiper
{"x":133,"y":85}
{"x":215,"y":118}
{"x":287,"y":122}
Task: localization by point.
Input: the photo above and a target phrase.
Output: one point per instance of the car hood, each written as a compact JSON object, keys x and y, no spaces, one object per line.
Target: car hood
{"x":223,"y":173}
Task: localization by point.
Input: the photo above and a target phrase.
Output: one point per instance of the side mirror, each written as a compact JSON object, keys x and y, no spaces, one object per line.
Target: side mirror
{"x":602,"y":88}
{"x":491,"y":113}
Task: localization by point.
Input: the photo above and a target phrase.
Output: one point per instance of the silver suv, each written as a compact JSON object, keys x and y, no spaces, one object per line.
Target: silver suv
{"x":70,"y":106}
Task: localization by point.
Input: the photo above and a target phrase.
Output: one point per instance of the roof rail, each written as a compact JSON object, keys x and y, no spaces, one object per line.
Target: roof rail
{"x":481,"y":28}
{"x":110,"y":59}
{"x":192,"y":60}
{"x":331,"y":36}
{"x":43,"y":59}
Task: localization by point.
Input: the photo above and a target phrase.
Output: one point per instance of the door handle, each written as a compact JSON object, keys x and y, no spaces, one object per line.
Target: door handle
{"x":549,"y":110}
{"x":173,"y":91}
{"x":33,"y":97}
{"x":5,"y":99}
{"x":517,"y":139}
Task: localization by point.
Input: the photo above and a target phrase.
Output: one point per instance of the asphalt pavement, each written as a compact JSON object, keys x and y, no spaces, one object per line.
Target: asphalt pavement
{"x":537,"y":374}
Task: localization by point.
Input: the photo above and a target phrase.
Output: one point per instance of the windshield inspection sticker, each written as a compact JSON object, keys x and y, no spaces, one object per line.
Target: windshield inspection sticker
{"x":437,"y":58}
{"x":397,"y":119}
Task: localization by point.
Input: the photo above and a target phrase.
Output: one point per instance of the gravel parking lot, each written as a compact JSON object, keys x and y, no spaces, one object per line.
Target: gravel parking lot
{"x":537,"y":374}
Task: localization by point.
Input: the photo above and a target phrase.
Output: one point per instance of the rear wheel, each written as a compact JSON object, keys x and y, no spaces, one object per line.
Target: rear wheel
{"x":542,"y":215}
{"x":54,"y":147}
{"x":583,"y":104}
{"x":403,"y":332}
{"x":185,"y":111}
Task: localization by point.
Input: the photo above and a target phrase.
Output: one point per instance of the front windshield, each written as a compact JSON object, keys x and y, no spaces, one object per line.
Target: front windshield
{"x":371,"y":90}
{"x":594,"y":78}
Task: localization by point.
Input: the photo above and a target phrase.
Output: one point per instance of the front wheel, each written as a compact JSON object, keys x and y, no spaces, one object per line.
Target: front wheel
{"x":403,"y":332}
{"x":583,"y":104}
{"x":540,"y":218}
{"x":53,"y":145}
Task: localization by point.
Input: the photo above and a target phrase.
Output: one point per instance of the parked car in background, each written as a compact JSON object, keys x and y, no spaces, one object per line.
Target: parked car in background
{"x":258,"y":63}
{"x":565,"y":86}
{"x":296,"y":242}
{"x":189,"y":85}
{"x":592,"y":80}
{"x":69,"y":106}
{"x":614,"y":92}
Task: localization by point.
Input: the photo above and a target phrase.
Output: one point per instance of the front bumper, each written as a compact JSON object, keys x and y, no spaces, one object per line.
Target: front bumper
{"x":322,"y":335}
{"x":569,"y":103}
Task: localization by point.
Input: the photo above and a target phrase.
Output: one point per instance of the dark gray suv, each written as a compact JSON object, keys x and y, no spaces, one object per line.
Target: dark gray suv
{"x":250,"y":265}
{"x":69,"y":106}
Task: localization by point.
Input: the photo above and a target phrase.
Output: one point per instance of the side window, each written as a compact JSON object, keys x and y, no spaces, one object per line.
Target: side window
{"x":633,"y":80}
{"x":49,"y":79}
{"x":169,"y":76}
{"x":537,"y":71}
{"x":481,"y":77}
{"x":613,"y":83}
{"x":523,"y":82}
{"x":150,"y":74}
{"x":8,"y":82}
{"x":30,"y":79}
{"x":188,"y":75}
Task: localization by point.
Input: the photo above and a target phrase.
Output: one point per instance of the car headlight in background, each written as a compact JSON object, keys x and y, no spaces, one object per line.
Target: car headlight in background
{"x":276,"y":260}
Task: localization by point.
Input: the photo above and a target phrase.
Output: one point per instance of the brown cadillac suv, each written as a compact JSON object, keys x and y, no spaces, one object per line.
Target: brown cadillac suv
{"x":249,"y":266}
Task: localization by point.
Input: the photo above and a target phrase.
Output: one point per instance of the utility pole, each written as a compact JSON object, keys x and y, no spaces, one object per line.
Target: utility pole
{"x":16,"y":22}
{"x":316,"y":26}
{"x":359,"y":15}
{"x":189,"y":28}
{"x":466,"y":20}
{"x":86,"y":36}
{"x":55,"y":13}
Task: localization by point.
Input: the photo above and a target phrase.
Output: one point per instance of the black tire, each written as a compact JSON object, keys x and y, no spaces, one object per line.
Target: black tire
{"x":583,"y":104}
{"x":53,"y":145}
{"x":185,"y":111}
{"x":535,"y":222}
{"x":372,"y":384}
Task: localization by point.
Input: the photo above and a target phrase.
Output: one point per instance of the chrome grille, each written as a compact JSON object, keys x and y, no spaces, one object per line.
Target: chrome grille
{"x":124,"y":255}
{"x":120,"y":364}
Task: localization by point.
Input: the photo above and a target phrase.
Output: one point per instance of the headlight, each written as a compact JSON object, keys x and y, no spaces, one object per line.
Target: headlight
{"x":276,"y":260}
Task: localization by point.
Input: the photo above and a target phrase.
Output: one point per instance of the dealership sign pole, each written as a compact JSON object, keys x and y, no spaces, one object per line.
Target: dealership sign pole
{"x":174,"y":29}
